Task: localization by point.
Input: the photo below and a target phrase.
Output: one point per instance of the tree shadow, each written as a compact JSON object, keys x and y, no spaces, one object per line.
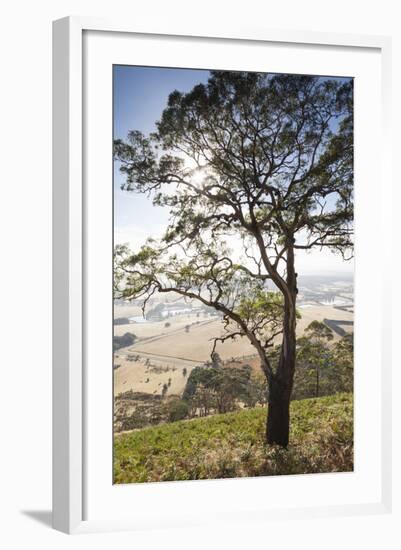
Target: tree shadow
{"x":41,"y":516}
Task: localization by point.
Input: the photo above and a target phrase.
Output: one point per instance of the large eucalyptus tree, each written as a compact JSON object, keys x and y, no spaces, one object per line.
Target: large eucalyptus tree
{"x":252,"y":168}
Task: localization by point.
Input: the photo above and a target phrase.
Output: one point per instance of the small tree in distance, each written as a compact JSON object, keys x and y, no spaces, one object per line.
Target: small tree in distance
{"x":314,"y":352}
{"x":265,"y":161}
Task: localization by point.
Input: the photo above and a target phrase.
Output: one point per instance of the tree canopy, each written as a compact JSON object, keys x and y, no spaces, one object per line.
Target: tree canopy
{"x":265,"y":159}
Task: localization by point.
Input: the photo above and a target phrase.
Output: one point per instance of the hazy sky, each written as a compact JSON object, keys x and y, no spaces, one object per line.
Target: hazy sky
{"x":140,"y":95}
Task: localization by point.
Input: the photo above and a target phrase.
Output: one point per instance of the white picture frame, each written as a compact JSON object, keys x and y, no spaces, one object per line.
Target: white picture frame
{"x":70,"y":424}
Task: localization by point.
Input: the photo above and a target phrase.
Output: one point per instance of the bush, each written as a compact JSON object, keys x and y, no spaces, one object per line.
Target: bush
{"x":123,"y":341}
{"x":217,"y":389}
{"x":178,"y":410}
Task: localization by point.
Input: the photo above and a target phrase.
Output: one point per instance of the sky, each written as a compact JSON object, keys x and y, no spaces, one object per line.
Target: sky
{"x":139,"y":96}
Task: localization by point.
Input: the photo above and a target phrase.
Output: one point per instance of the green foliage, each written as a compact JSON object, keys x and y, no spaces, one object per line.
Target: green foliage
{"x":259,"y":303}
{"x":217,"y":388}
{"x":199,"y":375}
{"x":256,"y":393}
{"x":342,"y":358}
{"x":232,"y":445}
{"x":178,"y":410}
{"x":318,"y":331}
{"x":323,"y":369}
{"x":267,"y":136}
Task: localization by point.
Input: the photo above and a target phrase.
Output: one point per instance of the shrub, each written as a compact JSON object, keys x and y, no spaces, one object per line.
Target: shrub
{"x":123,"y":341}
{"x":178,"y":410}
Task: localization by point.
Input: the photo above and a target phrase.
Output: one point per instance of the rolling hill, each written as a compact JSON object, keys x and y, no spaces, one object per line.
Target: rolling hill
{"x":232,"y":445}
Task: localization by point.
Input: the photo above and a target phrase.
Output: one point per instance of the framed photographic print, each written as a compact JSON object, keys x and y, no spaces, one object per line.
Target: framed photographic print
{"x":216,"y":306}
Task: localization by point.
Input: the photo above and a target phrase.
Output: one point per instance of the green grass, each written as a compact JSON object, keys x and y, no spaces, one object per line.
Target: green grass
{"x":232,"y":445}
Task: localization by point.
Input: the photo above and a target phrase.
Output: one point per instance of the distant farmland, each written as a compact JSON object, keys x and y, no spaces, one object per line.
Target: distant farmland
{"x":165,"y":348}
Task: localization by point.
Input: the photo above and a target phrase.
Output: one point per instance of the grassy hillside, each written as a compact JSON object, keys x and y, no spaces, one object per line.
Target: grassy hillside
{"x":231,"y":445}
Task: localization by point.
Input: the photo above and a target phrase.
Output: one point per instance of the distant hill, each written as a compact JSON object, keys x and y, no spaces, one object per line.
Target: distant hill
{"x":232,"y":445}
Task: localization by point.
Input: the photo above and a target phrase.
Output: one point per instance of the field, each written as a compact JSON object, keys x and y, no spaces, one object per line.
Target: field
{"x":161,"y":353}
{"x":232,"y":445}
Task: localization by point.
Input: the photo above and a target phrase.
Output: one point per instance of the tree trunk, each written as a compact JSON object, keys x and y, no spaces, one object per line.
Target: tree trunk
{"x":280,"y":387}
{"x":278,"y":415}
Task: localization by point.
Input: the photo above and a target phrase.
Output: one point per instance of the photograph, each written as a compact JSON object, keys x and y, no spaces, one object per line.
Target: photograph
{"x":233,"y":274}
{"x":209,"y":216}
